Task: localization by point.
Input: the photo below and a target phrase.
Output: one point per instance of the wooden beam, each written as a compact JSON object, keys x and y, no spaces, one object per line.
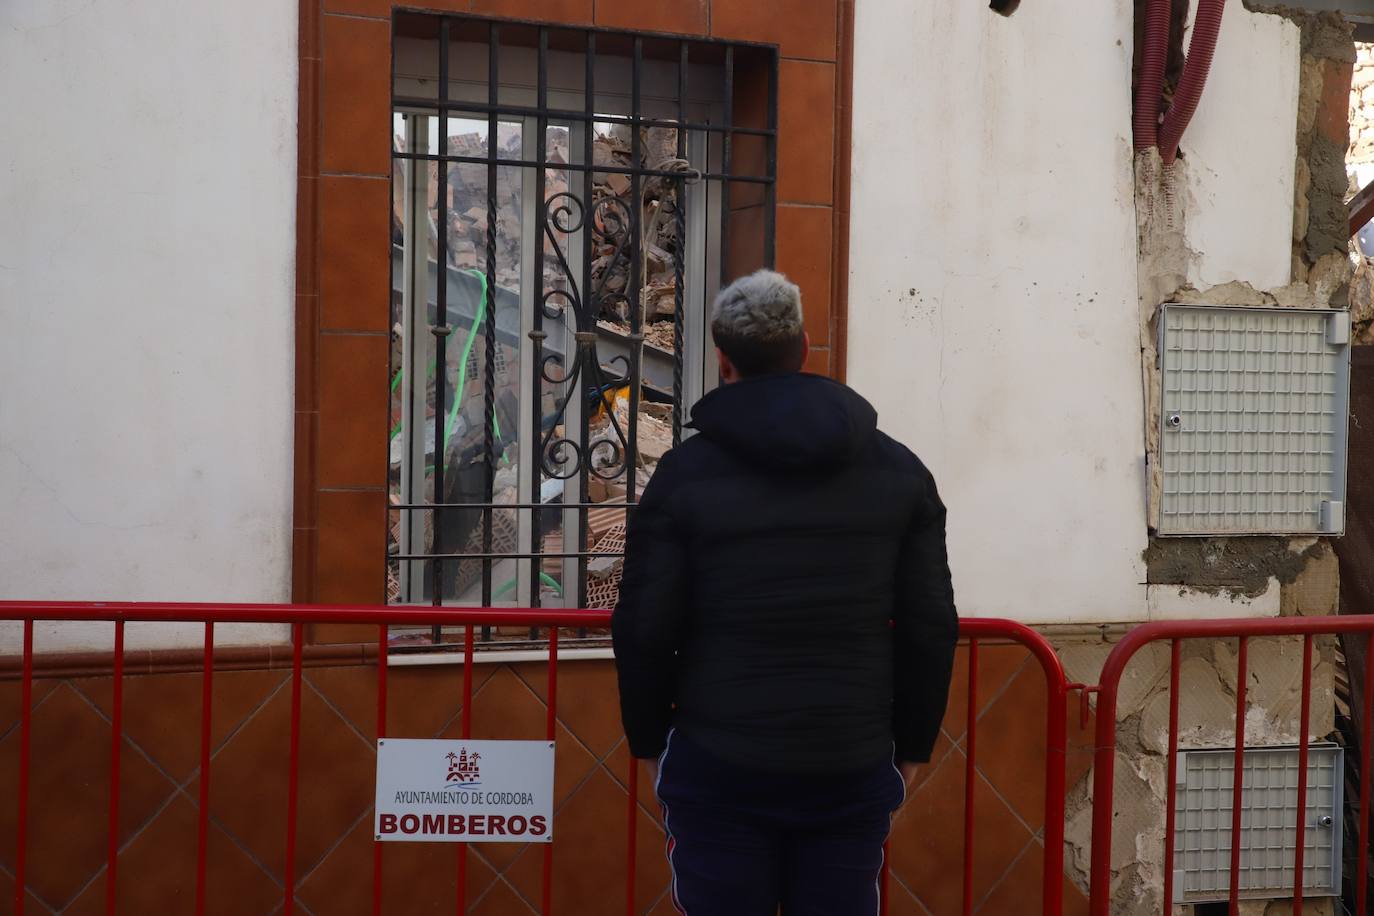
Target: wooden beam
{"x":1361,"y":208}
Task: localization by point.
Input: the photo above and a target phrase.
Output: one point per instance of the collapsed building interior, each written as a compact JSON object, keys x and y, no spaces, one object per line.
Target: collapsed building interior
{"x":571,"y":323}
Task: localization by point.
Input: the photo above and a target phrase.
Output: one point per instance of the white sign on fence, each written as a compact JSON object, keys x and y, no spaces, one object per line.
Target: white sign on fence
{"x":464,"y":791}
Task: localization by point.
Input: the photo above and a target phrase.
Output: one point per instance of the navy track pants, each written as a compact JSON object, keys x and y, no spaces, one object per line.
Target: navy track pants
{"x":746,"y":843}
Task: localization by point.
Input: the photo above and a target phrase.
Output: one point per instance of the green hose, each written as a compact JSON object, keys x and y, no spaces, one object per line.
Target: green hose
{"x":452,"y":419}
{"x":463,"y":365}
{"x":544,"y":578}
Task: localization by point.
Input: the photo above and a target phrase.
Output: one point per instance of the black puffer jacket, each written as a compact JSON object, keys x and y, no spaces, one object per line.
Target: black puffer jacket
{"x":786,"y":599}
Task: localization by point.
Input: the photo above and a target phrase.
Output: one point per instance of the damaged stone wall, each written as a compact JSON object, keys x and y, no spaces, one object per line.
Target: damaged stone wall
{"x":1320,"y":218}
{"x":1235,"y":569}
{"x":1207,"y":708}
{"x":1320,"y":278}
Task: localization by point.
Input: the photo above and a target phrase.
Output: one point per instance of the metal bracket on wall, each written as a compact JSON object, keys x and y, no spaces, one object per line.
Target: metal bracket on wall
{"x":1084,"y":701}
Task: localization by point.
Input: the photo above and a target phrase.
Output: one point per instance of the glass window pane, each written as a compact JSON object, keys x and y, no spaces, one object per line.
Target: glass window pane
{"x":415,"y":70}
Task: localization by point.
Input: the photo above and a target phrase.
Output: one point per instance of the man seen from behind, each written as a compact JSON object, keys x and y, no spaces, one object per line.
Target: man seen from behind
{"x":786,"y":628}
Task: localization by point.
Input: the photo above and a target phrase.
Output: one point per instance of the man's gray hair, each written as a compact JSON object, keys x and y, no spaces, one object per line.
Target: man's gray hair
{"x":764,"y":306}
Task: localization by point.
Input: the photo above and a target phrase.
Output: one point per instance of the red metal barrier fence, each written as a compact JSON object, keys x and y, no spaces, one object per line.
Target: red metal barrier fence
{"x":974,"y":631}
{"x":1242,"y":631}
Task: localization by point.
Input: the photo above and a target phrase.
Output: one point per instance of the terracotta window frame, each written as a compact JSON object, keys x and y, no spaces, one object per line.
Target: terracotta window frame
{"x":343,"y":157}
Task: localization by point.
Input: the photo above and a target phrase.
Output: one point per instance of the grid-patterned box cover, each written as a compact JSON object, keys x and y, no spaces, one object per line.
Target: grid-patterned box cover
{"x":1253,"y":434}
{"x":1202,"y":827}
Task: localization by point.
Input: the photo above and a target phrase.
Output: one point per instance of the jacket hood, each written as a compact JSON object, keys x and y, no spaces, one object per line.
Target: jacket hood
{"x":788,"y":422}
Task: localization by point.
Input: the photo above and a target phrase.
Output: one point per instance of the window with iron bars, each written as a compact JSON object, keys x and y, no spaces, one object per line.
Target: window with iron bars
{"x":579,"y":188}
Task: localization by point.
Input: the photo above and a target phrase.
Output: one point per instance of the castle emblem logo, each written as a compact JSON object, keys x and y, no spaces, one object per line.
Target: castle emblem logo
{"x":464,"y":769}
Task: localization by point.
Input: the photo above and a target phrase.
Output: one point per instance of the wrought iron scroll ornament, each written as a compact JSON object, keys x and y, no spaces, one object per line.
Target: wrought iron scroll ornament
{"x":562,"y":456}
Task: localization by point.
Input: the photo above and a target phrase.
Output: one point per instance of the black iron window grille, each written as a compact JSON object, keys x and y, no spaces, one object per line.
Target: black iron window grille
{"x":580,"y":189}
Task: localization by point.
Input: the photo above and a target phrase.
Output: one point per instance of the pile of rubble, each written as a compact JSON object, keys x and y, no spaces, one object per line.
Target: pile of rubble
{"x":660,"y":248}
{"x":467,"y":206}
{"x":466,"y":198}
{"x":659,"y":245}
{"x":660,"y":334}
{"x":467,"y":202}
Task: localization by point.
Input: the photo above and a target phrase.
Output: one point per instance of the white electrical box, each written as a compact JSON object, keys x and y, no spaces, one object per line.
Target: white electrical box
{"x":1269,"y":809}
{"x":1253,"y":420}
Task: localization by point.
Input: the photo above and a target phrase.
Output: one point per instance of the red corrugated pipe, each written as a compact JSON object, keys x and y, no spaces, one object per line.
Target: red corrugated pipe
{"x":1206,"y":27}
{"x":1153,"y":59}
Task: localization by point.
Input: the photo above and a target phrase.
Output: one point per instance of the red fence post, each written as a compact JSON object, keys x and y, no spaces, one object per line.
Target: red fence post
{"x":25,"y":736}
{"x":1104,"y":772}
{"x":1238,"y":776}
{"x":1366,"y":740}
{"x":970,"y":773}
{"x":1056,"y":754}
{"x":1304,"y":725}
{"x":116,"y":738}
{"x":551,"y":727}
{"x":883,"y":875}
{"x":468,"y":655}
{"x":381,"y":733}
{"x":293,"y":777}
{"x":203,"y":814}
{"x":1170,"y":791}
{"x":975,"y":630}
{"x":631,"y":835}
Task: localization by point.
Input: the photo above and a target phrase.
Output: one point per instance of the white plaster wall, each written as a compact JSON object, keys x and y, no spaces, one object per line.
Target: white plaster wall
{"x":1177,"y":602}
{"x":993,"y":304}
{"x":1239,"y":152}
{"x":146,"y":302}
